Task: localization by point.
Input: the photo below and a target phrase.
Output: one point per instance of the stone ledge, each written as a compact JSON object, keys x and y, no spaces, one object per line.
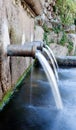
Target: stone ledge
{"x":68,"y":61}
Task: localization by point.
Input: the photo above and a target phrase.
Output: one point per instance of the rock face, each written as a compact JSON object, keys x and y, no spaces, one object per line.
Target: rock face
{"x":35,"y":5}
{"x":16,"y":27}
{"x":72,"y":38}
{"x":5,"y":82}
{"x":39,"y":32}
{"x":59,"y":50}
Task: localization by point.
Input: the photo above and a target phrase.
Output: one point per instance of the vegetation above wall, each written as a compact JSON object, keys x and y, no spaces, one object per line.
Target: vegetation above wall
{"x":66,"y":11}
{"x":62,"y":18}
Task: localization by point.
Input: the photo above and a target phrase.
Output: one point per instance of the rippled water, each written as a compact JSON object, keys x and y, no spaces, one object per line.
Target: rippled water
{"x":42,"y":113}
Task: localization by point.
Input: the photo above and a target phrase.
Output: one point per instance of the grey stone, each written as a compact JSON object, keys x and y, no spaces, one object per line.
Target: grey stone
{"x":72,"y":38}
{"x":59,"y":50}
{"x":39,"y":33}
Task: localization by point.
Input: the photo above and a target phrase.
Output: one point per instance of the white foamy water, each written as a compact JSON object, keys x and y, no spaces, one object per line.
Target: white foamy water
{"x":52,"y":55}
{"x":52,"y":62}
{"x":51,"y":78}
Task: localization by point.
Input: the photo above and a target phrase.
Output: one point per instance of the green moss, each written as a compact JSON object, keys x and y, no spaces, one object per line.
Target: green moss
{"x":70,"y":46}
{"x":21,"y":78}
{"x":46,"y":33}
{"x":64,"y":39}
{"x":6,"y":99}
{"x":34,"y":26}
{"x":10,"y":92}
{"x":45,"y":28}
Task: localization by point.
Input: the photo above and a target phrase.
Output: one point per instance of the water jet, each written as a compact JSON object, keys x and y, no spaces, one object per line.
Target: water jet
{"x":42,"y":113}
{"x":34,"y":50}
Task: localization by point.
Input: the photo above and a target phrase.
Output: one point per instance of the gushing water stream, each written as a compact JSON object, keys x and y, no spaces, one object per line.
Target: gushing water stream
{"x":51,"y":78}
{"x":42,"y":115}
{"x":52,"y":55}
{"x":52,"y":62}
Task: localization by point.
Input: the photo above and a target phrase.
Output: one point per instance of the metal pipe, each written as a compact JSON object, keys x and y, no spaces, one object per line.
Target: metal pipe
{"x":27,"y":49}
{"x":21,"y":50}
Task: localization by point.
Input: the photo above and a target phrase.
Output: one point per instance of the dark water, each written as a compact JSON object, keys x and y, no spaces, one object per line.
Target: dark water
{"x":42,"y":114}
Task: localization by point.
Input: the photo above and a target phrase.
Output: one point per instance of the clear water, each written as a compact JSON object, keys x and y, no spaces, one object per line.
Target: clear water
{"x":51,"y":78}
{"x":52,"y":55}
{"x":31,"y":75}
{"x":52,"y":62}
{"x":42,"y":114}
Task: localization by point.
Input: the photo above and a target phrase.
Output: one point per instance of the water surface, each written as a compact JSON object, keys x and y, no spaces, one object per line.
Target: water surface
{"x":41,"y":113}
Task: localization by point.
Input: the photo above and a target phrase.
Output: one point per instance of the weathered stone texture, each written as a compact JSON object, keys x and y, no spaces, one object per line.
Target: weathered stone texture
{"x":18,"y":66}
{"x":1,"y":93}
{"x":59,"y":50}
{"x":39,"y":32}
{"x":72,"y":38}
{"x":16,"y":27}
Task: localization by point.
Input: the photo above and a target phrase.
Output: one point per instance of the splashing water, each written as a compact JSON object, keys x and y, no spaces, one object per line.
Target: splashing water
{"x":51,"y":78}
{"x":42,"y":115}
{"x":52,"y":55}
{"x":52,"y":61}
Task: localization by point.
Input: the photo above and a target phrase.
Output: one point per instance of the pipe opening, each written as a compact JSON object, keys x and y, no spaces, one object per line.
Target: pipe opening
{"x":28,"y":49}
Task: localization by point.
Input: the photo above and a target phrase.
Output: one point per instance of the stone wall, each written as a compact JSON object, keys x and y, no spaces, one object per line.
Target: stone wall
{"x":48,"y":21}
{"x":16,"y":27}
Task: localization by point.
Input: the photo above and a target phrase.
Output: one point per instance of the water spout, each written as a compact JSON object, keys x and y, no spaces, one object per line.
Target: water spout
{"x":52,"y":55}
{"x":51,"y":78}
{"x":27,"y":49}
{"x":34,"y":49}
{"x":52,"y":62}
